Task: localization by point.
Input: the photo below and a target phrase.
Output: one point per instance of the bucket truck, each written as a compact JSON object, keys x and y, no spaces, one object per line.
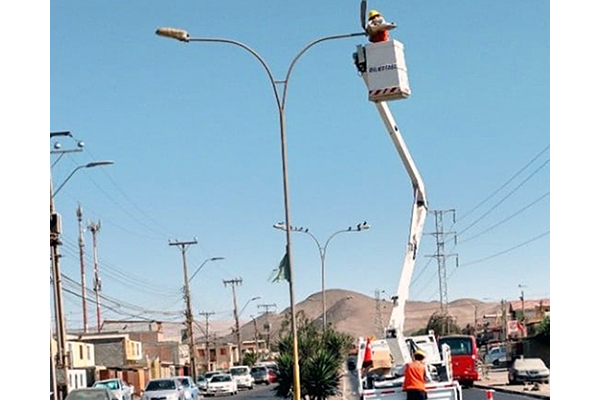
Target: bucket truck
{"x":383,"y":69}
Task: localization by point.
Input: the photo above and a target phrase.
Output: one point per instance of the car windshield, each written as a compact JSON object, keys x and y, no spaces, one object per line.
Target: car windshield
{"x":201,"y":379}
{"x":184,"y":382}
{"x":112,"y":385}
{"x":458,"y":346}
{"x":238,"y":371}
{"x":221,"y":378}
{"x":165,"y":384}
{"x":88,"y":394}
{"x":258,"y":370}
{"x":530,"y":363}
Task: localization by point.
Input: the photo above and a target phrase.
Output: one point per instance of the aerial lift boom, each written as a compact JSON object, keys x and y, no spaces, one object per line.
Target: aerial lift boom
{"x":383,"y":69}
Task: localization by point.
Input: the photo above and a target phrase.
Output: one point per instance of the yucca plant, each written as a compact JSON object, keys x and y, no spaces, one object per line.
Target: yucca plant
{"x":320,"y":357}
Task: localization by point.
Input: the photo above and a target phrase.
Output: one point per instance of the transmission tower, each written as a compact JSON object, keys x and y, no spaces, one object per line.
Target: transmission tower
{"x":440,"y":254}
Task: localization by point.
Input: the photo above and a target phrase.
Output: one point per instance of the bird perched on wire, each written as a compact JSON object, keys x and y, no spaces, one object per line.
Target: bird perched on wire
{"x":377,"y":27}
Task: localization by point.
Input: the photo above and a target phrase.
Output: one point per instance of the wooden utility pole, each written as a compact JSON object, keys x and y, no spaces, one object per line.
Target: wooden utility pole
{"x":82,"y":264}
{"x":95,"y":228}
{"x":234,"y":283}
{"x":255,"y":336}
{"x":61,"y":364}
{"x":189,"y":317}
{"x":206,"y":315}
{"x":267,"y":308}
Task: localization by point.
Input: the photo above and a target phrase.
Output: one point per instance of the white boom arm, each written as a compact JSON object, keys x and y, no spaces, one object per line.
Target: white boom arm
{"x":394,"y":332}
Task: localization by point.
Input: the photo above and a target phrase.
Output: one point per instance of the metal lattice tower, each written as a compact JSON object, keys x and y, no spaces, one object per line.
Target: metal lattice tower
{"x":440,"y":254}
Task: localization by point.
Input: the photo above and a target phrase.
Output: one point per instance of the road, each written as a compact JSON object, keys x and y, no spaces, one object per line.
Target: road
{"x":268,"y":392}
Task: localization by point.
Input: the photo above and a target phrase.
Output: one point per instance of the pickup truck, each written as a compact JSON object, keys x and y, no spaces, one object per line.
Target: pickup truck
{"x":120,"y":389}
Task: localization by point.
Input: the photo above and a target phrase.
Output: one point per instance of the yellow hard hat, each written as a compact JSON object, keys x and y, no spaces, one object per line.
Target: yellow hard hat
{"x":373,"y":13}
{"x":419,"y":352}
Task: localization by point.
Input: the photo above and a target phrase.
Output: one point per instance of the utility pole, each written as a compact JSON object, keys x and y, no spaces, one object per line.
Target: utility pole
{"x":255,"y":336}
{"x":441,"y":256}
{"x":189,"y":317}
{"x":522,"y":297}
{"x":82,"y":264}
{"x":95,"y":228}
{"x":503,"y":303}
{"x":267,"y":326}
{"x":61,"y":363}
{"x":378,"y":315}
{"x":206,"y":315}
{"x":234,"y":283}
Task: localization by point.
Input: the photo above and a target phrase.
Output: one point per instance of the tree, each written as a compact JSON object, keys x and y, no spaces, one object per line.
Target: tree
{"x":441,"y":324}
{"x":320,"y":355}
{"x":249,"y":359}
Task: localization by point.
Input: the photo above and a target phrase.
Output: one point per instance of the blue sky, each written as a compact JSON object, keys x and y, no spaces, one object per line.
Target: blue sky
{"x":194,"y":134}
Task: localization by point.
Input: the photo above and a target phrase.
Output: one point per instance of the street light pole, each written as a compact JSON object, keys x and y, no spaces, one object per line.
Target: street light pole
{"x":184,"y":36}
{"x":322,"y":253}
{"x":202,"y":265}
{"x":62,"y":361}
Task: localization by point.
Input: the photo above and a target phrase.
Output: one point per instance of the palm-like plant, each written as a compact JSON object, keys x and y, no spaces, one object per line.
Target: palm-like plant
{"x":320,"y":357}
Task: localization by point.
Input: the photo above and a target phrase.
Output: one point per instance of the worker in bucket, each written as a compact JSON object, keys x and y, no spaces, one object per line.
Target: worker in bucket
{"x":415,"y":376}
{"x":377,"y":28}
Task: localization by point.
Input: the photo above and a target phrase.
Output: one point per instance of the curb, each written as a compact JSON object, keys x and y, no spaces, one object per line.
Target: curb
{"x":512,"y":391}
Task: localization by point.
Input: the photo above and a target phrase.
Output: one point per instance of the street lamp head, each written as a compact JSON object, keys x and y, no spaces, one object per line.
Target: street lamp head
{"x":174,"y":33}
{"x":280,"y":226}
{"x":217,"y":258}
{"x":362,"y":227}
{"x":99,"y":163}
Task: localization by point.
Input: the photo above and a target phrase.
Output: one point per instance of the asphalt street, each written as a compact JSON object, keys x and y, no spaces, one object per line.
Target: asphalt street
{"x":268,"y":392}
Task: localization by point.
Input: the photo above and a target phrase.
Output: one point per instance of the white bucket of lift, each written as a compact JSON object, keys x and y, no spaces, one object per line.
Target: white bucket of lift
{"x":386,"y":73}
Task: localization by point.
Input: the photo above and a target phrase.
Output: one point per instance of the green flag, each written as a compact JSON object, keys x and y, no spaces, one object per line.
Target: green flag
{"x":283,"y":272}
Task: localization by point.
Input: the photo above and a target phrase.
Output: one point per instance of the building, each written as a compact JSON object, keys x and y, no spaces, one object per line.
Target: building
{"x":164,"y":352}
{"x":116,"y":355}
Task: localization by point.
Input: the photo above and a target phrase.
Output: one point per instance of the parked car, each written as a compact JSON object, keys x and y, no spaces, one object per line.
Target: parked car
{"x":99,"y":393}
{"x":190,"y":389}
{"x":272,"y":374}
{"x":202,"y":383}
{"x":528,"y":370}
{"x":221,"y":384}
{"x":260,"y":374}
{"x":210,"y":374}
{"x":496,"y":356}
{"x":120,"y":389}
{"x":242,"y":377}
{"x":165,"y":389}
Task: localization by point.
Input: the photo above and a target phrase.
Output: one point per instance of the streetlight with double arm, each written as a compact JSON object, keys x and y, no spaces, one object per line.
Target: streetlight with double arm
{"x":322,"y":253}
{"x":184,"y":36}
{"x":62,"y":362}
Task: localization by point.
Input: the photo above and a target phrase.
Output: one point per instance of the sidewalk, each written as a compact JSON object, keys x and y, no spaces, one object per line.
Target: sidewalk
{"x":498,"y":380}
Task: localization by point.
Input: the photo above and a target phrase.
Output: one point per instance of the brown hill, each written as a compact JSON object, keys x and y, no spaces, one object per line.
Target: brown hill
{"x":357,"y":315}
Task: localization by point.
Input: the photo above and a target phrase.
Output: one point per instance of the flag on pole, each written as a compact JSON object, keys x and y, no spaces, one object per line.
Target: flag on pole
{"x":283,"y":272}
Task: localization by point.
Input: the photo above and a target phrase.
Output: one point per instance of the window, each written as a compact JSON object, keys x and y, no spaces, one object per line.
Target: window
{"x":89,"y":352}
{"x":81,"y":351}
{"x":223,"y":351}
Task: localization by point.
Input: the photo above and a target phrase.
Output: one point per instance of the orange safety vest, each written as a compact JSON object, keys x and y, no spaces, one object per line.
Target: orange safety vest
{"x":414,"y":376}
{"x":381,"y":36}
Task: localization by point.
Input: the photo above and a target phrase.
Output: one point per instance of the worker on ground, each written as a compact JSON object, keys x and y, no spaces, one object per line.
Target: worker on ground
{"x":377,"y":28}
{"x":415,"y":376}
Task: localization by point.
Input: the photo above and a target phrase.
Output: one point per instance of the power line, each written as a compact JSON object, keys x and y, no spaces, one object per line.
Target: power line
{"x":504,"y":198}
{"x":507,"y":250}
{"x":505,"y":184}
{"x":508,"y":218}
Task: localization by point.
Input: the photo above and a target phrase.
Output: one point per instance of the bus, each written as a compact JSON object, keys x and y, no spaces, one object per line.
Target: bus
{"x":464,"y":354}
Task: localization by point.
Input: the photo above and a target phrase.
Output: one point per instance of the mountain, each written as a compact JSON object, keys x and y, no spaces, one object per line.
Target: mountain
{"x":357,"y":314}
